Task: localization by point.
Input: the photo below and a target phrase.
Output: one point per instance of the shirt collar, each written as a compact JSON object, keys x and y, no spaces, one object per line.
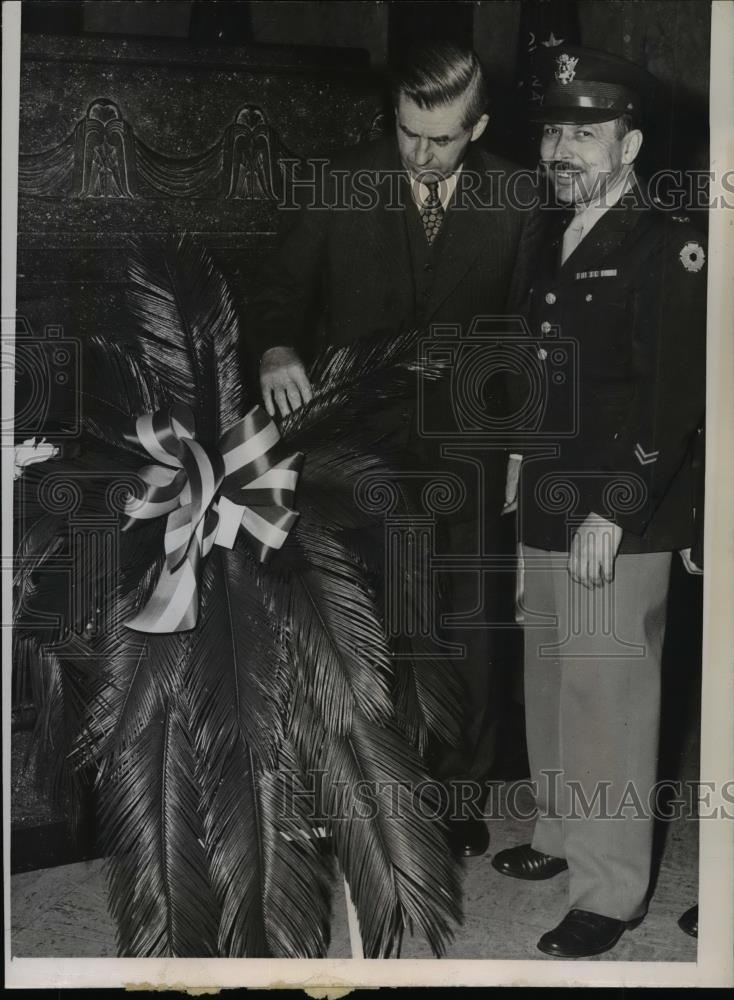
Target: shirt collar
{"x":446,"y":188}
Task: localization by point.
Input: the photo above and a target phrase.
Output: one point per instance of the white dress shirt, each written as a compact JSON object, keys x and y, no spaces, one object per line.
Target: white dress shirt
{"x":587,"y":216}
{"x":446,"y":188}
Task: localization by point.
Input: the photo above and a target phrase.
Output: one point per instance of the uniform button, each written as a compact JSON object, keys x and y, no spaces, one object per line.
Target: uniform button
{"x":550,"y":298}
{"x":589,"y":297}
{"x":545,"y":327}
{"x":542,"y":353}
{"x":428,"y":267}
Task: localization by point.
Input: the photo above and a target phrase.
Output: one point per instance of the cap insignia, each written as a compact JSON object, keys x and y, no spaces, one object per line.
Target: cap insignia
{"x":566,"y":67}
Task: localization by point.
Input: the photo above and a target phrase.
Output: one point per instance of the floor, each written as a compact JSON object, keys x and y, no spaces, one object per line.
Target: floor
{"x":61,"y":912}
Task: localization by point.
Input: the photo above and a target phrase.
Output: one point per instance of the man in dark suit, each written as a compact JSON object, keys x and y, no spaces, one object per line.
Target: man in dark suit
{"x":421,"y":229}
{"x":618,"y":307}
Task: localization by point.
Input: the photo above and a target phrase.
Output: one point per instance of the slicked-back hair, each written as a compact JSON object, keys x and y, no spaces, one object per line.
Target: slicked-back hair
{"x":435,"y":74}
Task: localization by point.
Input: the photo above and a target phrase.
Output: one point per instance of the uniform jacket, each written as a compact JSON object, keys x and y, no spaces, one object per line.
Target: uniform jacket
{"x":620,"y":331}
{"x":699,"y":476}
{"x":342,"y":273}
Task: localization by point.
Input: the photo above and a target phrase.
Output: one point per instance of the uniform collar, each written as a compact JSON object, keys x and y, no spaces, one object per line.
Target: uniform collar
{"x":608,"y":232}
{"x":589,"y":215}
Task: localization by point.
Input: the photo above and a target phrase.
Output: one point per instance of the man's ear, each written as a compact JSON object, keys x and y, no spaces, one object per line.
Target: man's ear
{"x":479,"y":128}
{"x":631,"y":145}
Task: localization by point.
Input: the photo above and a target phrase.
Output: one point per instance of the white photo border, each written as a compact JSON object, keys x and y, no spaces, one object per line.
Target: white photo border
{"x":715,"y":964}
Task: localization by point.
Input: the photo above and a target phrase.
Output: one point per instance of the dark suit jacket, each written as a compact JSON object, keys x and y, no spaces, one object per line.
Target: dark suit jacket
{"x":343,"y":272}
{"x":628,"y":311}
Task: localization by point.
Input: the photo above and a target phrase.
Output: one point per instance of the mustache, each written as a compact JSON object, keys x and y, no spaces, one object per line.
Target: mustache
{"x":550,"y":166}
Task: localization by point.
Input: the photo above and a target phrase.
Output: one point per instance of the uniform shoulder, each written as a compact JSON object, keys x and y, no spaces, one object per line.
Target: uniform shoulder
{"x":676,"y":224}
{"x":513,"y":186}
{"x":680,"y":236}
{"x":506,"y":169}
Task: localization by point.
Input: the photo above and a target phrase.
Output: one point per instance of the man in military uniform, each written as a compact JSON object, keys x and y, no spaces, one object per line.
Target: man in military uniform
{"x":618,"y":305}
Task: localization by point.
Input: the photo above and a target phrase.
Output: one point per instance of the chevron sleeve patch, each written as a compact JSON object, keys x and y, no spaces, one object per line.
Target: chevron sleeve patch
{"x":645,"y":457}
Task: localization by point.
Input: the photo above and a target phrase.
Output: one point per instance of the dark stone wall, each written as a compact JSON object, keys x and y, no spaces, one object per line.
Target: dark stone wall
{"x":86,"y":165}
{"x":123,"y":137}
{"x":671,"y":38}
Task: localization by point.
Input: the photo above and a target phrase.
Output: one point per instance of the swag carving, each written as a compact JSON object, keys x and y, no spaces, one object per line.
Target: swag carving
{"x":104,"y":159}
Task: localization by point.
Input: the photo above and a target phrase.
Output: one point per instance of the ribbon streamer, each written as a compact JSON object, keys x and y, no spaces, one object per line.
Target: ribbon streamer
{"x":247,"y":481}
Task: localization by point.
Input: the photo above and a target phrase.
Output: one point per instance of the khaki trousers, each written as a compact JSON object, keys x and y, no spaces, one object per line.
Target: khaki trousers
{"x":592,"y":700}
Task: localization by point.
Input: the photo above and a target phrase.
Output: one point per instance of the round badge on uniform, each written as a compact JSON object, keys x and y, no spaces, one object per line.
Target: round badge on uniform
{"x":692,"y":257}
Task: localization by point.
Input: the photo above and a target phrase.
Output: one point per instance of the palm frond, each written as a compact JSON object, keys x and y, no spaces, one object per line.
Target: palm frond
{"x":373,"y":356}
{"x":337,"y":640}
{"x":272,"y":880}
{"x":160,"y":890}
{"x":426,"y":689}
{"x":58,"y":696}
{"x":427,"y":696}
{"x":40,"y":611}
{"x":135,"y":675}
{"x":391,"y":849}
{"x":238,"y":672}
{"x":353,"y":383}
{"x":197,"y":738}
{"x":40,"y":542}
{"x":89,"y":485}
{"x":272,"y":883}
{"x":346,"y":413}
{"x":186,"y":311}
{"x":300,"y":874}
{"x":327,"y":488}
{"x":233,"y":835}
{"x":116,"y":388}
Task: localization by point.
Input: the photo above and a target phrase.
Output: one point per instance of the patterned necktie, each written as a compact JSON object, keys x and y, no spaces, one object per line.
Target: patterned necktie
{"x":432,"y":212}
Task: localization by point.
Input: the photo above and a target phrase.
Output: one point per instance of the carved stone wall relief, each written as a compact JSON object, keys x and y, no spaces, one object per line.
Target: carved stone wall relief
{"x":103,"y":158}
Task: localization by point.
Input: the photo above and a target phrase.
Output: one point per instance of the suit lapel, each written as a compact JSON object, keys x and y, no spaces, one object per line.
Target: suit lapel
{"x":382,"y":228}
{"x":463,"y":234}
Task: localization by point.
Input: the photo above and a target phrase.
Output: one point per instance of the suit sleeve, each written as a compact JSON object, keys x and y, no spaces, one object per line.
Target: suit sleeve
{"x":656,"y":435}
{"x":517,"y":377}
{"x":288,"y":288}
{"x":531,"y":235}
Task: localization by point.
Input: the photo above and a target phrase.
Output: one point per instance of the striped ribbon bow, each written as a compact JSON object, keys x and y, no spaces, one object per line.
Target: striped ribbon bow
{"x":248,"y":480}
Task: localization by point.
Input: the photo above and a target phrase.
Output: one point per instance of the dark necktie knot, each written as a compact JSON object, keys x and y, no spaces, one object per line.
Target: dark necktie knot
{"x":432,"y":200}
{"x":432,"y":212}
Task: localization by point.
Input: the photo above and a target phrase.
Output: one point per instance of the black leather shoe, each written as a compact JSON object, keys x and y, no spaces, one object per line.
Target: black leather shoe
{"x":688,"y":923}
{"x":524,"y":862}
{"x":581,"y":934}
{"x":468,"y":838}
